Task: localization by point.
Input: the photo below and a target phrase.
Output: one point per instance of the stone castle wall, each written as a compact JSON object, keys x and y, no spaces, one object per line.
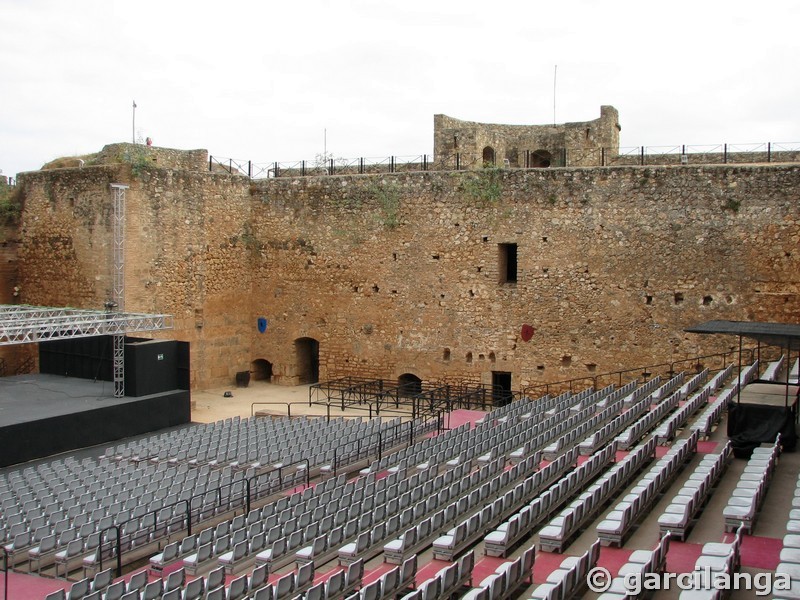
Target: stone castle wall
{"x":164,"y":158}
{"x":613,"y":264}
{"x":402,"y":273}
{"x":183,"y":253}
{"x":583,"y":140}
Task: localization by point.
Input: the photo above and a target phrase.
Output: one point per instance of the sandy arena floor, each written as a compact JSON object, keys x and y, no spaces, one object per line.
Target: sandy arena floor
{"x":211,"y":405}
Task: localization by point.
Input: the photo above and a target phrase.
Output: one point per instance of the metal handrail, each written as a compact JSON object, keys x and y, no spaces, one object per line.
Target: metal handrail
{"x":246,"y":498}
{"x":460,"y":161}
{"x":5,"y":572}
{"x":248,"y":485}
{"x":645,"y":371}
{"x":288,"y":406}
{"x":119,"y":549}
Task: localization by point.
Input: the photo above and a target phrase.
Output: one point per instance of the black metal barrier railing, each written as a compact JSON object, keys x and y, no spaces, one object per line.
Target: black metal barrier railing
{"x":668,"y":369}
{"x":345,"y":455}
{"x":679,"y":154}
{"x":449,"y":397}
{"x":372,"y":409}
{"x":126,"y":541}
{"x":279,"y":470}
{"x":5,"y":572}
{"x":426,"y":400}
{"x":288,"y":406}
{"x":240,"y":492}
{"x":345,"y":390}
{"x":118,"y":549}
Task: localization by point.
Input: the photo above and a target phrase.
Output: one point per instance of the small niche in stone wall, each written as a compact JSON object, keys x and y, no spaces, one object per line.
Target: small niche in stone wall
{"x":469,"y":357}
{"x":540,"y":367}
{"x":591,"y":367}
{"x":481,"y":357}
{"x":492,"y":357}
{"x":435,"y":257}
{"x":648,"y":299}
{"x":566,"y":360}
{"x":707,"y":300}
{"x":485,"y":238}
{"x":678,"y":297}
{"x":446,"y":354}
{"x":375,"y":288}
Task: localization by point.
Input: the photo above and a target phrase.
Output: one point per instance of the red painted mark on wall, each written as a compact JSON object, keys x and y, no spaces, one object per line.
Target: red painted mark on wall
{"x":527,"y":332}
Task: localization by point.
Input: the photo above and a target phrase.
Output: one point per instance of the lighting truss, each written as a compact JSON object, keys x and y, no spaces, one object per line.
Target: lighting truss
{"x":24,"y":324}
{"x":119,"y":283}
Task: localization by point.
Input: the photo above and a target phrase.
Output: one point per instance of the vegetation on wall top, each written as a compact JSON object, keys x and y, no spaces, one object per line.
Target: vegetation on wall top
{"x":485,"y":186}
{"x":10,"y":204}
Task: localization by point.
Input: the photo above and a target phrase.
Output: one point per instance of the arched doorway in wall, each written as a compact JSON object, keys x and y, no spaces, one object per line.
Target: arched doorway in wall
{"x":307,"y":357}
{"x":261,"y":370}
{"x":409,"y":384}
{"x":540,"y":159}
{"x":488,"y":156}
{"x":512,"y":157}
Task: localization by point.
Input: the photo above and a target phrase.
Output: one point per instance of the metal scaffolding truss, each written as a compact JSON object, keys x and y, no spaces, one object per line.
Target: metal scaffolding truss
{"x":24,"y":324}
{"x":119,"y":285}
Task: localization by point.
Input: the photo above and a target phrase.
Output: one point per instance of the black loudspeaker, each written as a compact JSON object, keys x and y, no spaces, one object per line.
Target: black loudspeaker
{"x":151,"y":367}
{"x":242,"y":379}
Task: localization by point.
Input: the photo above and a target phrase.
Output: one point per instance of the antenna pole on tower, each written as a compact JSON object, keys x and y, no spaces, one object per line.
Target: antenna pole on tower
{"x":555,"y":74}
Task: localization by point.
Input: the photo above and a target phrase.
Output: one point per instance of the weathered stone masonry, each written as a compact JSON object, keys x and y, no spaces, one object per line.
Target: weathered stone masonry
{"x":399,"y":274}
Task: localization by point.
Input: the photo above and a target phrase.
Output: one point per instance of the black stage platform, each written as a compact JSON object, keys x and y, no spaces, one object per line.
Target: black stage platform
{"x":42,"y":415}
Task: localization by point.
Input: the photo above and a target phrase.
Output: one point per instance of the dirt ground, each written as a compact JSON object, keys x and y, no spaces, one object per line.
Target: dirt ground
{"x":280,"y":400}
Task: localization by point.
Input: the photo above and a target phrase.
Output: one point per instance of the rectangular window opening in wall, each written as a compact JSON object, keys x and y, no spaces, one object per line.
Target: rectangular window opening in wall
{"x":501,"y":388}
{"x":508,"y":263}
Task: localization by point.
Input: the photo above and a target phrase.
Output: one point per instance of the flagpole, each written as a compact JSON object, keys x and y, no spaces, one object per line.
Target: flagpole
{"x":133,"y":127}
{"x":555,"y":75}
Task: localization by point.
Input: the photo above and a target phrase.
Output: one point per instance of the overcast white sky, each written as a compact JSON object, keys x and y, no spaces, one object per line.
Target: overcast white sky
{"x":264,"y":80}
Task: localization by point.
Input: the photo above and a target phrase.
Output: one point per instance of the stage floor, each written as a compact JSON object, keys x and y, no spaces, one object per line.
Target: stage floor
{"x":770,"y":394}
{"x":25,"y":398}
{"x":42,"y":415}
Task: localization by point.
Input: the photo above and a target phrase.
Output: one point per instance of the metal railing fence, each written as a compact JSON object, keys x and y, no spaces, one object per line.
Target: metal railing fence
{"x":680,"y":154}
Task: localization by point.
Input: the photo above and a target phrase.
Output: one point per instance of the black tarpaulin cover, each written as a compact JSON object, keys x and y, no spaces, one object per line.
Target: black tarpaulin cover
{"x":750,"y":425}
